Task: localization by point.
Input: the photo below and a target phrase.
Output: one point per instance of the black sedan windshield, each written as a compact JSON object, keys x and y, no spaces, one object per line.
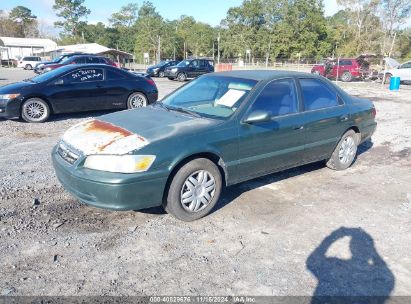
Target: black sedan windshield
{"x":211,"y":96}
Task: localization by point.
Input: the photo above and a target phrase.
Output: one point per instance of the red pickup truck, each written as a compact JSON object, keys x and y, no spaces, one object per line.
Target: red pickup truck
{"x":346,"y":69}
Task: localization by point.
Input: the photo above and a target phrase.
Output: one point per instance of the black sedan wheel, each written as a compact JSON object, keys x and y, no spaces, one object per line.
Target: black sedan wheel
{"x":345,"y":152}
{"x":35,"y":110}
{"x":161,"y":74}
{"x":137,"y":100}
{"x":194,"y":190}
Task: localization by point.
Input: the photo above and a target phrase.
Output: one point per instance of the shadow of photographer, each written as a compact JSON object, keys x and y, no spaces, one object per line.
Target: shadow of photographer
{"x":363,"y":278}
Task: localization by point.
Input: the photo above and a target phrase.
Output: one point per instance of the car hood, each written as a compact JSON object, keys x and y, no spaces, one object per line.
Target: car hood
{"x":15,"y":87}
{"x":126,"y":131}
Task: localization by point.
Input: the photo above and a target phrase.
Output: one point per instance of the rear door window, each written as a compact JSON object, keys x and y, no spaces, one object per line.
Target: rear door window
{"x":84,"y":75}
{"x":317,"y":95}
{"x":279,"y":97}
{"x":79,"y":60}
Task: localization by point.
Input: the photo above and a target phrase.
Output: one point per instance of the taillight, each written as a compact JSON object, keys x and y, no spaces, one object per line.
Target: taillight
{"x":151,"y":81}
{"x":373,"y":112}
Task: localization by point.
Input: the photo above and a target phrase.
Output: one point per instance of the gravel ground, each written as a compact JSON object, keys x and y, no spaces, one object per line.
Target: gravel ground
{"x":278,"y":235}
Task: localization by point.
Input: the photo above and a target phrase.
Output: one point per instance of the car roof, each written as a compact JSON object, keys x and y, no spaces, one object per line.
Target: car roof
{"x":261,"y":74}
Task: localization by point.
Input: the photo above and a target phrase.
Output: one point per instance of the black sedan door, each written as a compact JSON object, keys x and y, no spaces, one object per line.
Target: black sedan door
{"x":79,"y":90}
{"x":116,"y":87}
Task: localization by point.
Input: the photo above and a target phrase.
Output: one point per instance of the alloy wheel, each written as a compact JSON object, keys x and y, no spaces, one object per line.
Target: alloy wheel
{"x":35,"y":110}
{"x":137,"y":101}
{"x":347,"y":150}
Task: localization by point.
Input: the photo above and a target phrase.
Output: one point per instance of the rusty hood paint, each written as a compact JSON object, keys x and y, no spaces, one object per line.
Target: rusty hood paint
{"x":98,"y":137}
{"x":127,"y":131}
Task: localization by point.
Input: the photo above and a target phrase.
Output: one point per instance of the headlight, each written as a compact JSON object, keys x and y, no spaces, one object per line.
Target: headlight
{"x":120,"y":163}
{"x":9,"y":96}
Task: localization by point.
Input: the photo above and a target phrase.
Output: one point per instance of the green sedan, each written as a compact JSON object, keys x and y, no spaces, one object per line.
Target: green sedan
{"x":218,"y":130}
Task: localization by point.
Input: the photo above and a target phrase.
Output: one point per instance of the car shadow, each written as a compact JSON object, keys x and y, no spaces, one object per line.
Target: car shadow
{"x":230,"y":193}
{"x":362,"y":278}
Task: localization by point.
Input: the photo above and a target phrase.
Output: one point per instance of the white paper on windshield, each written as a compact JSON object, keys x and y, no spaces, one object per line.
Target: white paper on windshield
{"x":230,"y":98}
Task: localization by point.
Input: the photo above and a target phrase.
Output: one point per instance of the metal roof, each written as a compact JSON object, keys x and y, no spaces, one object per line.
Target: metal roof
{"x":27,"y":42}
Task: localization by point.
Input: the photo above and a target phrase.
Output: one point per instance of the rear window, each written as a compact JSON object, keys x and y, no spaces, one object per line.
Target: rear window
{"x":317,"y":95}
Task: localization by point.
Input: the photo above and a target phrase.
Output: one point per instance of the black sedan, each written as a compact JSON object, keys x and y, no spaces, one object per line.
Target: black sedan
{"x":76,"y":88}
{"x":158,"y":69}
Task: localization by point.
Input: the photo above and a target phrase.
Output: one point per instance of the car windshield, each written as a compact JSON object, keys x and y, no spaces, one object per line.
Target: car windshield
{"x":58,"y":59}
{"x":184,"y":63}
{"x":211,"y":96}
{"x":66,"y":60}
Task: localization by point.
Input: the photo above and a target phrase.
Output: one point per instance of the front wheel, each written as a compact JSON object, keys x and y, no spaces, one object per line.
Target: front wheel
{"x":28,"y":67}
{"x":35,"y":110}
{"x":345,"y":152}
{"x":194,"y":190}
{"x":161,"y":74}
{"x":181,"y":77}
{"x":136,"y":100}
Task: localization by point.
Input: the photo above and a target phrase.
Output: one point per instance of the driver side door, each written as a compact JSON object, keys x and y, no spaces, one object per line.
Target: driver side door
{"x":276,"y":144}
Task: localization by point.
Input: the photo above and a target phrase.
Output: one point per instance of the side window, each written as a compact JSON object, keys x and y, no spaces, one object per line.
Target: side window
{"x":317,"y":95}
{"x":79,"y":60}
{"x":279,"y":97}
{"x":406,"y":65}
{"x":114,"y":75}
{"x":84,"y":75}
{"x":195,"y":64}
{"x":92,"y":60}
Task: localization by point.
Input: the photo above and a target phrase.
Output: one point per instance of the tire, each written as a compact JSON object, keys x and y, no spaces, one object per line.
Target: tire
{"x":194,"y":190}
{"x":28,"y":67}
{"x":161,"y":74}
{"x":387,"y":78}
{"x":181,"y":77}
{"x":35,"y":110}
{"x":346,"y":77}
{"x":136,"y":100}
{"x":345,"y":152}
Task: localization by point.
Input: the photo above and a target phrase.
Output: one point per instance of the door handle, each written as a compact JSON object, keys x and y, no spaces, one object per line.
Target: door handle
{"x":344,"y":118}
{"x":299,"y":128}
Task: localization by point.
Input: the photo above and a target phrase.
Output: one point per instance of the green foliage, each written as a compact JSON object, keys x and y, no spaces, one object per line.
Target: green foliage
{"x":72,"y":11}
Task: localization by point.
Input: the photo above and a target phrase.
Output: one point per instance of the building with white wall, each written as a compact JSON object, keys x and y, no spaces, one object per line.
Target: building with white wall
{"x":15,"y":48}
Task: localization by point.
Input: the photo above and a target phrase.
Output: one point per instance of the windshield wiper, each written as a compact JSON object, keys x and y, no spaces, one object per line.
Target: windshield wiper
{"x":184,"y":110}
{"x":161,"y":105}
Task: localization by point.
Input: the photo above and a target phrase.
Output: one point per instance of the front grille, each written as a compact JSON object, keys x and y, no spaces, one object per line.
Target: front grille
{"x":67,"y":154}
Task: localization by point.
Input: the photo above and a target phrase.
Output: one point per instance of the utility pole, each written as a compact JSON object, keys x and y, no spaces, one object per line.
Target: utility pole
{"x":218,"y":48}
{"x":159,"y":50}
{"x":213,"y":51}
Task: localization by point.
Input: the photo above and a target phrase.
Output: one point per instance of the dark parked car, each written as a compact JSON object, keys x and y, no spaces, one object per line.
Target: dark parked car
{"x":218,"y":130}
{"x":158,"y":69}
{"x":39,"y":67}
{"x":79,"y":59}
{"x":190,"y":68}
{"x":75,"y":88}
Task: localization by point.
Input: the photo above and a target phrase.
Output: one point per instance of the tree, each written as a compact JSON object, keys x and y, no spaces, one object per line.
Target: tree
{"x":72,"y":11}
{"x":27,"y":21}
{"x":126,"y":17}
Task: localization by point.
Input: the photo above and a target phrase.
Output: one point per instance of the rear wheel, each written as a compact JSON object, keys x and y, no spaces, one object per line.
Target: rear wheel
{"x":346,"y":77}
{"x":345,"y":152}
{"x":35,"y":110}
{"x":182,"y":77}
{"x":194,"y":190}
{"x":28,"y":67}
{"x":136,"y":100}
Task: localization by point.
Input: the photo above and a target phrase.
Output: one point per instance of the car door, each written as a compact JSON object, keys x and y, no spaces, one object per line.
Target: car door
{"x":116,"y":92}
{"x":276,"y":144}
{"x":325,"y":118}
{"x":78,"y":90}
{"x":404,"y":71}
{"x":192,"y":70}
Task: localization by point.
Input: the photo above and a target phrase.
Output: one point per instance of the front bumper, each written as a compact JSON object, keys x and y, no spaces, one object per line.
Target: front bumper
{"x":11,"y":109}
{"x":107,"y":190}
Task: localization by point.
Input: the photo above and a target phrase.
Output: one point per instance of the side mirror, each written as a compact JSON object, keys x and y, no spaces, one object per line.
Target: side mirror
{"x":59,"y":82}
{"x":257,"y":116}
